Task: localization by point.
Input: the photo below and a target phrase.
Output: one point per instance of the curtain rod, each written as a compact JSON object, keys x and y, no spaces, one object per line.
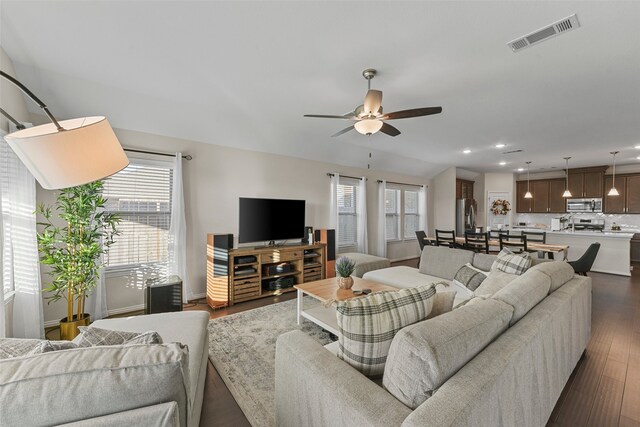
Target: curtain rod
{"x":186,"y":157}
{"x":402,"y":183}
{"x":346,"y":176}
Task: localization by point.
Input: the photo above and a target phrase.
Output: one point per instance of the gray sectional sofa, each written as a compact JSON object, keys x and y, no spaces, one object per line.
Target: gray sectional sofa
{"x":141,"y":385}
{"x":500,"y":360}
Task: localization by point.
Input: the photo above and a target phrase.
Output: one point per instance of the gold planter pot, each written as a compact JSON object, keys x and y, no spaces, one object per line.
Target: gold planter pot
{"x":345,"y":282}
{"x":69,"y":330}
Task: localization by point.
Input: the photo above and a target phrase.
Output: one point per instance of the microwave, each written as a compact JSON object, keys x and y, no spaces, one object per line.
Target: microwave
{"x":584,"y":205}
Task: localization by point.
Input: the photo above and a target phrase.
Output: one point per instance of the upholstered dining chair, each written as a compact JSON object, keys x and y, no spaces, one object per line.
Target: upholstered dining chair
{"x":583,"y":264}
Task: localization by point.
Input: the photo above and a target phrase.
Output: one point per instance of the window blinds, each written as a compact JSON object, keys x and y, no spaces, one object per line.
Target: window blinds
{"x":141,"y":195}
{"x":347,"y":213}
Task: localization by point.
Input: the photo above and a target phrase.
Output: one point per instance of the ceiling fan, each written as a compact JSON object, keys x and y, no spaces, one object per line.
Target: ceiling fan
{"x":369,"y":117}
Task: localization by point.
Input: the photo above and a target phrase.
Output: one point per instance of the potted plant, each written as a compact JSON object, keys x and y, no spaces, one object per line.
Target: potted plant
{"x":73,"y":252}
{"x":344,"y":270}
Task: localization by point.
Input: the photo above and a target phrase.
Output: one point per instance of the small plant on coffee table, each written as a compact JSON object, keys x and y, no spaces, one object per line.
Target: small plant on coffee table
{"x":344,"y":269}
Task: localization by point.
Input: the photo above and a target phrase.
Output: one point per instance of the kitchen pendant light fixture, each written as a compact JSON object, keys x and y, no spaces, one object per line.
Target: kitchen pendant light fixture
{"x":528,"y":194}
{"x":614,"y":191}
{"x":566,"y":193}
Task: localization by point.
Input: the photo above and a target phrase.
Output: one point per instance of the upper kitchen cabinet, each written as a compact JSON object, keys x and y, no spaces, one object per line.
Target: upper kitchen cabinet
{"x":587,"y":182}
{"x":522,"y":205}
{"x":464,"y":189}
{"x":628,"y":201}
{"x":547,"y":196}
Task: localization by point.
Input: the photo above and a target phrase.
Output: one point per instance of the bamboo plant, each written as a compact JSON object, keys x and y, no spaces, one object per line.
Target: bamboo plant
{"x":74,"y":252}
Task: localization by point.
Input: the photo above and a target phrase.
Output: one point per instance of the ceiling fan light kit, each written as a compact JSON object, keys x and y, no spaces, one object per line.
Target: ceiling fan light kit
{"x":368,"y":126}
{"x":369,"y":116}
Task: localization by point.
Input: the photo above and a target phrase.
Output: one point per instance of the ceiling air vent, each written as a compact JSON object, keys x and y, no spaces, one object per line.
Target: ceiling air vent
{"x":562,"y":26}
{"x":512,"y":151}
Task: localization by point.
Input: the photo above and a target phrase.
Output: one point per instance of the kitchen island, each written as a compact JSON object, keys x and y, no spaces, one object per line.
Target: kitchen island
{"x":614,"y":256}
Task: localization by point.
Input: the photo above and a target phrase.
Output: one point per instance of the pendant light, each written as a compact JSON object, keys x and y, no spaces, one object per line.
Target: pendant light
{"x":613,"y":191}
{"x":567,"y":193}
{"x":528,"y":194}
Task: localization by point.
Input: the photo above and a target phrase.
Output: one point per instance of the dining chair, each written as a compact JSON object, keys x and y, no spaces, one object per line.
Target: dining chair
{"x":583,"y":264}
{"x":446,"y":238}
{"x":538,"y":237}
{"x":422,"y":238}
{"x":494,"y":235}
{"x":516,"y":243}
{"x":477,"y":242}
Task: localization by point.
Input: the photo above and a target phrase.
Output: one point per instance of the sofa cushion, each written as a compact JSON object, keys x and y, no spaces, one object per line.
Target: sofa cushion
{"x":366,"y":263}
{"x":401,"y":277}
{"x":367,"y":325}
{"x":524,"y":293}
{"x":559,"y":272}
{"x":512,"y":263}
{"x":495,"y":281}
{"x":469,"y":277}
{"x":483,"y":261}
{"x":424,"y":356}
{"x":442,"y":303}
{"x":91,"y":336}
{"x":127,"y":377}
{"x":443,"y":262}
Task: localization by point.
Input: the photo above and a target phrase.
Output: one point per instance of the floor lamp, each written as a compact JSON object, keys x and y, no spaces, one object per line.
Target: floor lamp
{"x":66,"y":153}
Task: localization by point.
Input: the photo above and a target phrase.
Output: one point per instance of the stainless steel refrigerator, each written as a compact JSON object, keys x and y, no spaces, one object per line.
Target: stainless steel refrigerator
{"x":466,"y":210}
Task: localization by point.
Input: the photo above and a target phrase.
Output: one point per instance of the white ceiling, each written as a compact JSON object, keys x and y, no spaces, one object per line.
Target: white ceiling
{"x":242,"y":74}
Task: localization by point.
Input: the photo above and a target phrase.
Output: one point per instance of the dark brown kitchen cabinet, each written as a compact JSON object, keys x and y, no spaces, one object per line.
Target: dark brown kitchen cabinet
{"x":464,"y":189}
{"x":522,"y":205}
{"x":540,"y":192}
{"x":632,"y":192}
{"x":615,"y":204}
{"x":587,"y":182}
{"x":557,"y":203}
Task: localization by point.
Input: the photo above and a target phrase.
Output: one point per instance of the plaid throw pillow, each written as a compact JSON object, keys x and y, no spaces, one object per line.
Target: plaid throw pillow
{"x":469,"y":277}
{"x":367,"y":325}
{"x":91,"y":336}
{"x":511,"y":263}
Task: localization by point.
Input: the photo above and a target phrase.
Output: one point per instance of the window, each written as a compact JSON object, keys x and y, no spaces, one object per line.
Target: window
{"x":411,"y":214}
{"x":392,"y":208}
{"x":141,"y":195}
{"x":403,"y":213}
{"x":347,"y":213}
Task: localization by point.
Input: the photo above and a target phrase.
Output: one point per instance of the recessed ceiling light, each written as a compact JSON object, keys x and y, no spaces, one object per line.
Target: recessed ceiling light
{"x":637,"y":147}
{"x":500,"y":145}
{"x":502,"y":163}
{"x":638,"y":157}
{"x":467,"y":151}
{"x":520,"y":169}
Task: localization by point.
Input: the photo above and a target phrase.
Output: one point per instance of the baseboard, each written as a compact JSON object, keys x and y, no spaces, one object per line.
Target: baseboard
{"x":51,"y":323}
{"x":125,"y":310}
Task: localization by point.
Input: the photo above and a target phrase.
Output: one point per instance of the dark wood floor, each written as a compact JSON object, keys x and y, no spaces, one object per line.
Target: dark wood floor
{"x":604,"y":389}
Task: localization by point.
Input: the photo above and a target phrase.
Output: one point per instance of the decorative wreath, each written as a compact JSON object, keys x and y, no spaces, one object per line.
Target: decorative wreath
{"x":500,"y":207}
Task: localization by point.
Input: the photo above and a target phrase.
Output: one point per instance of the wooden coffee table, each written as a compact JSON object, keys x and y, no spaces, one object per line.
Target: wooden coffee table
{"x":327,"y":290}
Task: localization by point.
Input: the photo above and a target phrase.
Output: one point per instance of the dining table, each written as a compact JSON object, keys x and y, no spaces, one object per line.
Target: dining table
{"x":531,"y":246}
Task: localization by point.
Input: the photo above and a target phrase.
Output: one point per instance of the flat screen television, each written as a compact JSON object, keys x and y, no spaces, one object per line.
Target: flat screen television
{"x":270,"y":219}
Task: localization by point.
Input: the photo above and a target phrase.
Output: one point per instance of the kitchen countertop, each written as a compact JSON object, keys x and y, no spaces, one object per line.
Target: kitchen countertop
{"x":622,"y":234}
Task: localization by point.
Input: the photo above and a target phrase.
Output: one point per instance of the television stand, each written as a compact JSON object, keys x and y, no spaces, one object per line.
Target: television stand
{"x":230,"y":281}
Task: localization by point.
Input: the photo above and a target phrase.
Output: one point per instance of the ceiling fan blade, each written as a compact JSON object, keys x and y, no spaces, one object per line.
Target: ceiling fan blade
{"x":372,"y":101}
{"x":326,"y":116}
{"x":389,"y":130}
{"x":415,"y":112}
{"x":345,"y":130}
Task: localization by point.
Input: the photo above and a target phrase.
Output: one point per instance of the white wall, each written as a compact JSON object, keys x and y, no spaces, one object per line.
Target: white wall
{"x":214,"y":180}
{"x":13,"y":102}
{"x":444,"y":200}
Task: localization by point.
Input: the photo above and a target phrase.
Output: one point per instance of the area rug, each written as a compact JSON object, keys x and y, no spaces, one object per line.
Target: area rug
{"x":242,"y":347}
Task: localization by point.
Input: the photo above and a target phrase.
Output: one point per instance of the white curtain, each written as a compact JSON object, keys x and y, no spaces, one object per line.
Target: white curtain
{"x":20,"y":259}
{"x":363,"y":244}
{"x":97,"y":300}
{"x":422,"y":210}
{"x":382,"y":220}
{"x":178,"y":231}
{"x":333,"y":207}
